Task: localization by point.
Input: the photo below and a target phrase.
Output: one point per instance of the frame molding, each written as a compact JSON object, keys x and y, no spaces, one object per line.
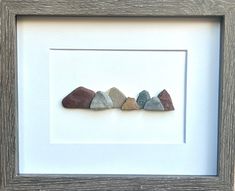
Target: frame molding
{"x":10,"y":179}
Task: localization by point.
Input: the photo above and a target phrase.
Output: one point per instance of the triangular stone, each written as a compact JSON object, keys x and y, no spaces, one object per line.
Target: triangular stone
{"x":143,"y":98}
{"x":101,"y":101}
{"x":166,"y":101}
{"x":79,"y":98}
{"x":154,"y":104}
{"x":117,"y":97}
{"x":130,"y":104}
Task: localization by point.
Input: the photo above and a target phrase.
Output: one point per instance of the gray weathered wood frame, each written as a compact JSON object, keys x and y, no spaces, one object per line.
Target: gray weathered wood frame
{"x":10,"y":179}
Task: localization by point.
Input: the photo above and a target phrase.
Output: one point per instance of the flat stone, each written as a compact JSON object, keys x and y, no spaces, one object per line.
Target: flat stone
{"x":166,"y":101}
{"x":117,"y":97}
{"x":130,"y":104}
{"x":154,"y":104}
{"x":79,"y":98}
{"x":101,"y":101}
{"x":143,"y":98}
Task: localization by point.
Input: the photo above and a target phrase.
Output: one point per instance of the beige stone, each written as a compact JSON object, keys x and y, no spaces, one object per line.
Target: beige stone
{"x":130,"y":104}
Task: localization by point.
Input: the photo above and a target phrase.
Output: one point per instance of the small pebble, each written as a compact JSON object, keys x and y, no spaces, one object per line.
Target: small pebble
{"x":101,"y":101}
{"x":130,"y":104}
{"x":143,"y":98}
{"x":117,"y":97}
{"x":79,"y":98}
{"x":154,"y":104}
{"x":166,"y":101}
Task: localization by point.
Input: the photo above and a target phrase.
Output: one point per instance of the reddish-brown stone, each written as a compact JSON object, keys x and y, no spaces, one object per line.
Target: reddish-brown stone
{"x":166,"y":101}
{"x":79,"y":98}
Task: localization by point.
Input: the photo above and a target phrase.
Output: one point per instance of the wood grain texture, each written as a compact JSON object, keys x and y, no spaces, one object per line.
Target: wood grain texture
{"x":121,"y":7}
{"x":227,"y":96}
{"x":9,"y":177}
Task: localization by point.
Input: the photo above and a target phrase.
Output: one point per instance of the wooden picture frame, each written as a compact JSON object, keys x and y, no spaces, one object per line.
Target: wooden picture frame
{"x":10,"y":179}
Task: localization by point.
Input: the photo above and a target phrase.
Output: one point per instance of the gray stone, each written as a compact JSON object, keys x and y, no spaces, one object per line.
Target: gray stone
{"x":101,"y":101}
{"x":154,"y":104}
{"x":143,"y":98}
{"x":117,"y":97}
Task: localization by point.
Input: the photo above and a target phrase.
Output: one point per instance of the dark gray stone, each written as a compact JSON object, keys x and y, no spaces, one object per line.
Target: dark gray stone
{"x":117,"y":97}
{"x":143,"y":98}
{"x":101,"y":101}
{"x":154,"y":104}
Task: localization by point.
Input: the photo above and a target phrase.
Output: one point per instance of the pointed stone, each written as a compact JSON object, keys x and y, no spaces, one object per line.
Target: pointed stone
{"x":166,"y":101}
{"x":130,"y":104}
{"x":143,"y":98}
{"x":154,"y":104}
{"x":79,"y":98}
{"x":117,"y":97}
{"x":101,"y":101}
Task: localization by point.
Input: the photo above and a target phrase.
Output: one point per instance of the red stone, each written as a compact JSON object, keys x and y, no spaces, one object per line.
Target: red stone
{"x":166,"y":101}
{"x":79,"y":98}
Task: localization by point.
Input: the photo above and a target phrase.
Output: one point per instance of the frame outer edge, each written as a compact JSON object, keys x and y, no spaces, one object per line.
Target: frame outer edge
{"x":227,"y":95}
{"x":120,"y":7}
{"x":230,"y":91}
{"x":8,"y":103}
{"x":8,"y":112}
{"x":1,"y":141}
{"x":2,"y":146}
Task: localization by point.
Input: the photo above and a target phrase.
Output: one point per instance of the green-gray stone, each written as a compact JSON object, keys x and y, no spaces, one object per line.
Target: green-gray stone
{"x":101,"y":101}
{"x":143,"y":98}
{"x":154,"y":104}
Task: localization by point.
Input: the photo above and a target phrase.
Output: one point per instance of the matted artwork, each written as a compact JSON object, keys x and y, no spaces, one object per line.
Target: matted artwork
{"x":117,"y":95}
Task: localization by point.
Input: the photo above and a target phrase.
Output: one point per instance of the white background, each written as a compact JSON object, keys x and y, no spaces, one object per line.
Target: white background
{"x":130,"y":71}
{"x":38,"y":154}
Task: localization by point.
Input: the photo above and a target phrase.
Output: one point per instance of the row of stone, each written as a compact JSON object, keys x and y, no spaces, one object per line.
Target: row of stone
{"x":85,"y":98}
